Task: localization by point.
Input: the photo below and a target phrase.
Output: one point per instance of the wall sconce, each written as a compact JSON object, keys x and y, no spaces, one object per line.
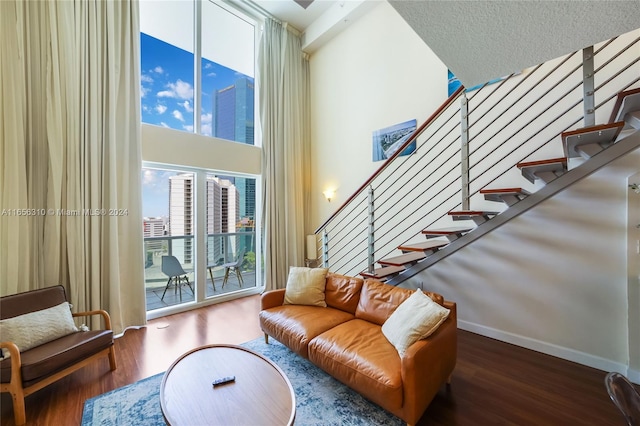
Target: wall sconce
{"x":329,"y":194}
{"x":635,"y":188}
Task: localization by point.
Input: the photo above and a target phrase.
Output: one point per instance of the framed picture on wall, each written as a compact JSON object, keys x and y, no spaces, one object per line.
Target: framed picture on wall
{"x":388,"y":140}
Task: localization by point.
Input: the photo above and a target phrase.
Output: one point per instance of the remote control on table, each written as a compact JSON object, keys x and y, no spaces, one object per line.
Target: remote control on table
{"x":223,"y":380}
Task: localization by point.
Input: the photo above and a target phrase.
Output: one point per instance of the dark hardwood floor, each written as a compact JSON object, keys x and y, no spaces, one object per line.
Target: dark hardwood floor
{"x":494,"y":383}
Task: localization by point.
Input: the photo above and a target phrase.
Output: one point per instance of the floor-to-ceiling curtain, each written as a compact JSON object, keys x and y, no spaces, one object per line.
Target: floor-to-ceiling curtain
{"x":70,"y":190}
{"x":284,"y":114}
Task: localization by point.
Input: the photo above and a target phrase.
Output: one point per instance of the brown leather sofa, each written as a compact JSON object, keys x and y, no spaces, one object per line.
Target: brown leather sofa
{"x":26,"y":372}
{"x":346,"y":341}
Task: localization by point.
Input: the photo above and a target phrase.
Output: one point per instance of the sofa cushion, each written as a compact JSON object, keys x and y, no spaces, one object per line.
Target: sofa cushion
{"x":296,"y":325}
{"x":305,"y":286}
{"x":55,"y":355}
{"x":357,"y":354}
{"x":416,"y":318}
{"x":342,"y":292}
{"x":35,"y":328}
{"x":378,"y":301}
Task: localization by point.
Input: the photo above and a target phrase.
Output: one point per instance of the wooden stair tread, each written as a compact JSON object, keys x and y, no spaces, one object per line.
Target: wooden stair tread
{"x":424,"y":246}
{"x":546,"y":170}
{"x":602,"y":135}
{"x":626,"y":101}
{"x":404,"y":259}
{"x":552,"y":161}
{"x":508,"y":191}
{"x":383,"y":273}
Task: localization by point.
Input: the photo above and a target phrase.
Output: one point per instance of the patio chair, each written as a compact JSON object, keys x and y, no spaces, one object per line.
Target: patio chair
{"x":235,"y":266}
{"x":172,"y":268}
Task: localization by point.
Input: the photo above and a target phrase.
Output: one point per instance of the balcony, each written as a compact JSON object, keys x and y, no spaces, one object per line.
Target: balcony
{"x":221,"y":249}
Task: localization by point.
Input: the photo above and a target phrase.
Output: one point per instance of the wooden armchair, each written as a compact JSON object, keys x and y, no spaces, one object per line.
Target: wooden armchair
{"x":25,"y":371}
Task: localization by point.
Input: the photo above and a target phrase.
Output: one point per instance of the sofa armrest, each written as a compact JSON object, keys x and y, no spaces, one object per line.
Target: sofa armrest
{"x":16,"y":361}
{"x":271,"y":299}
{"x":103,"y":313}
{"x":428,"y":364}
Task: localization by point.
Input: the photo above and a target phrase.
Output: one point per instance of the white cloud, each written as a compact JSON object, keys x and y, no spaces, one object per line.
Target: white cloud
{"x":206,"y":118}
{"x":146,"y":78}
{"x":144,"y":91}
{"x":158,"y":70}
{"x":187,"y":106}
{"x":206,"y":129}
{"x":178,"y":115}
{"x":163,"y":124}
{"x":188,"y":128}
{"x":212,"y":74}
{"x":160,"y":109}
{"x":179,"y":90}
{"x":148,"y":177}
{"x":208,"y":65}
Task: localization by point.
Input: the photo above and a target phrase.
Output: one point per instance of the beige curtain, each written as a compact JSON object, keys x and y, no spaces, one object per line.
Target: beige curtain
{"x":284,"y":115}
{"x":70,"y":154}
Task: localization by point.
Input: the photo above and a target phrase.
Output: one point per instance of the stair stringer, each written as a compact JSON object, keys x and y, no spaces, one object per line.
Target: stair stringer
{"x":618,"y":150}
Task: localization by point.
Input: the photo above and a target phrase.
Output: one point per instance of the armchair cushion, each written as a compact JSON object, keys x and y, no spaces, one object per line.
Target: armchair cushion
{"x":416,"y":318}
{"x":305,"y":286}
{"x":35,"y":328}
{"x":57,"y":354}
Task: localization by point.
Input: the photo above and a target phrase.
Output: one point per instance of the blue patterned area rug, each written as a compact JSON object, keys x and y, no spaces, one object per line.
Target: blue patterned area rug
{"x":320,"y":399}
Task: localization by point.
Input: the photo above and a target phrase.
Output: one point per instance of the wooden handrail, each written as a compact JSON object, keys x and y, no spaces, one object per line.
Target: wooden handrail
{"x":411,"y":138}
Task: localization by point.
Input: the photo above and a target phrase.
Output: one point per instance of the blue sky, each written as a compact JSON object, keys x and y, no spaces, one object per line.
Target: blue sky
{"x":167,"y":92}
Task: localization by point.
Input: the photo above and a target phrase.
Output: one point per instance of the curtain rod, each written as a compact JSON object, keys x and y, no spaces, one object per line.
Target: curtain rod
{"x":255,"y":7}
{"x":248,"y":4}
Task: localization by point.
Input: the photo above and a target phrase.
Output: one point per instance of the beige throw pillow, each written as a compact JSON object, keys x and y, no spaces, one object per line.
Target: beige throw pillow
{"x":305,"y":286}
{"x":416,"y":318}
{"x":35,"y":328}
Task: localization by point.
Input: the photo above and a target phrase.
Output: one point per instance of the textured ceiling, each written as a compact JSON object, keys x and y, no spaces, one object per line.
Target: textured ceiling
{"x":482,"y":40}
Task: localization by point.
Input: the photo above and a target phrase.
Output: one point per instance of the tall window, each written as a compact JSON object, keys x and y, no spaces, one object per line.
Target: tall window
{"x":225,"y":90}
{"x":197,"y":76}
{"x":170,"y":214}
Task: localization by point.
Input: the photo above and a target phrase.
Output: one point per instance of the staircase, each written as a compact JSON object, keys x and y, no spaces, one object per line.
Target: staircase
{"x":502,"y":148}
{"x":596,"y":145}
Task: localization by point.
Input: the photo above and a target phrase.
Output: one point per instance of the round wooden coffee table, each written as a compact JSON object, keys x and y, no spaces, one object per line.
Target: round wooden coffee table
{"x":260,"y":395}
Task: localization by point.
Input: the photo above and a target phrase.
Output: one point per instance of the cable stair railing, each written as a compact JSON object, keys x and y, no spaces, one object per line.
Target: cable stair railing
{"x":415,"y":210}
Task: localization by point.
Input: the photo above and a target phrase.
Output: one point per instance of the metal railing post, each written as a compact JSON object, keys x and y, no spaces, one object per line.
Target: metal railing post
{"x":371,"y":246}
{"x":588,"y":87}
{"x":325,"y":248}
{"x":464,"y":150}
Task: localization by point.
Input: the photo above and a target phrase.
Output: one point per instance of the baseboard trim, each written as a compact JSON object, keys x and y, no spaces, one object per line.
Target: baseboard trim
{"x":634,"y":375}
{"x":551,"y":349}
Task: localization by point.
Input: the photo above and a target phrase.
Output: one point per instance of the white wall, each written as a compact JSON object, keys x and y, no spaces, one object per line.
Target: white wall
{"x":374,"y":74}
{"x":557,"y":286}
{"x":168,"y":146}
{"x":561,"y":287}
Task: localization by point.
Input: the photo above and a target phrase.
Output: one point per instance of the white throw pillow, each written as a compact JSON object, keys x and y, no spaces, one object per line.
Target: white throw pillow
{"x":305,"y":286}
{"x":35,"y":328}
{"x":416,"y":318}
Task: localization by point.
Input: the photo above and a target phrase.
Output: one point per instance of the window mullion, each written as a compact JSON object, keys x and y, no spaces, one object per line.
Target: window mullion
{"x":197,"y":67}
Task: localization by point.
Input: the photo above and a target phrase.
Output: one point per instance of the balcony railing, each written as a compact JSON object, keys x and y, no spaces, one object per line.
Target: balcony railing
{"x":221,"y":249}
